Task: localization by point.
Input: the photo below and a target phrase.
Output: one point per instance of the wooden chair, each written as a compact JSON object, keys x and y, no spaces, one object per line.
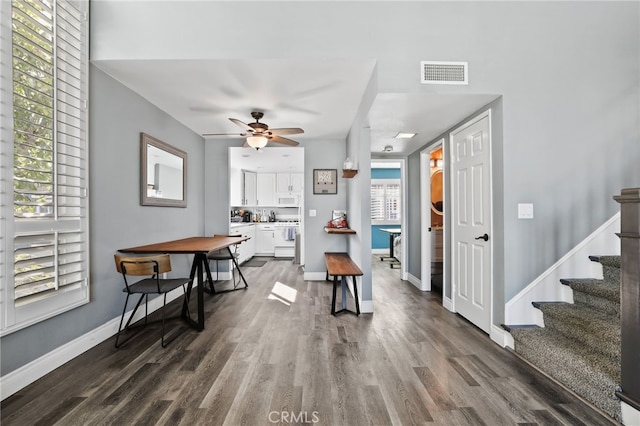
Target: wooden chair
{"x":152,"y":267}
{"x":224,"y":254}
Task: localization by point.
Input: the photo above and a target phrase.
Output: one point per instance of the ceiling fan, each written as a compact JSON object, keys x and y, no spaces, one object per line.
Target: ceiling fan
{"x":258,"y":134}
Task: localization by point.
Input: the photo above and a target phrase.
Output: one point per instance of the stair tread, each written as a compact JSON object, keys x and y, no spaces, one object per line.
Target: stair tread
{"x":588,"y":373}
{"x":614,"y":261}
{"x":595,"y":287}
{"x":597,"y":330}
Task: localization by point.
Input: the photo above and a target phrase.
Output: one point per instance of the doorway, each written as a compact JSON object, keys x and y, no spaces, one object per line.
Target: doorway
{"x":432,"y":184}
{"x":388,"y":214}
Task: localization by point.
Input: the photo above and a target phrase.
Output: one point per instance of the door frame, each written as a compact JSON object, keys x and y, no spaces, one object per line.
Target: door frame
{"x":450,"y":174}
{"x":425,"y":213}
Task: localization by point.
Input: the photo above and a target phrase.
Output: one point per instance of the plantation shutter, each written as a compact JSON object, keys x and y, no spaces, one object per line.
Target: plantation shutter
{"x":50,"y":157}
{"x":377,"y":201}
{"x":392,"y":201}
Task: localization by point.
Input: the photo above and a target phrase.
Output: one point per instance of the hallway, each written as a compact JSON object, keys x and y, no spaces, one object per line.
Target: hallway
{"x":273,"y":353}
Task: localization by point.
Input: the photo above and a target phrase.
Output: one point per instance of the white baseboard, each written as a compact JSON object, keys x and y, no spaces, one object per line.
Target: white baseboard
{"x":380,"y":251}
{"x":447,"y":303}
{"x":501,"y":336}
{"x":417,"y":283}
{"x":29,"y":373}
{"x":315,"y":276}
{"x":575,"y":264}
{"x":366,"y":307}
{"x":630,"y":416}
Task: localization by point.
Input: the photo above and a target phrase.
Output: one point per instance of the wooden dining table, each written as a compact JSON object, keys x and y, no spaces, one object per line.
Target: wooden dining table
{"x":199,"y":247}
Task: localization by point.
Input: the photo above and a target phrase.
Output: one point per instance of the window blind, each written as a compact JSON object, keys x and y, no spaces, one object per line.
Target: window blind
{"x":49,"y":65}
{"x":385,"y":201}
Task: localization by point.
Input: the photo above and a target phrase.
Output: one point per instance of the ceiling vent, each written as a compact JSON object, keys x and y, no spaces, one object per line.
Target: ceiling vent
{"x":438,"y":72}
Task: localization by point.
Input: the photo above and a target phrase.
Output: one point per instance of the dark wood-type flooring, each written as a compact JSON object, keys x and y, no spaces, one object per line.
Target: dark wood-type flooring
{"x":273,"y":353}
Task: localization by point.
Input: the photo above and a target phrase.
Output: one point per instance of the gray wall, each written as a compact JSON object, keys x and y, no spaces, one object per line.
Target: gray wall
{"x":318,"y":154}
{"x":413,"y":206}
{"x":117,"y":220}
{"x":568,"y":73}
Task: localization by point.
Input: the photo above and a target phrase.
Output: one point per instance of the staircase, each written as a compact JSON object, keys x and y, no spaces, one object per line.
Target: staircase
{"x":580,"y":343}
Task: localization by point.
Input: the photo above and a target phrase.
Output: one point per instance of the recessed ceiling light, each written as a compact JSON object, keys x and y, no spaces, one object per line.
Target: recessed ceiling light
{"x":404,"y":135}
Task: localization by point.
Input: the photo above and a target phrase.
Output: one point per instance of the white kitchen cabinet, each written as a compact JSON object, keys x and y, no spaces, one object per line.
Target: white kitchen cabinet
{"x":265,"y":245}
{"x":289,"y":183}
{"x":250,"y":188}
{"x":266,"y":186}
{"x":247,"y":249}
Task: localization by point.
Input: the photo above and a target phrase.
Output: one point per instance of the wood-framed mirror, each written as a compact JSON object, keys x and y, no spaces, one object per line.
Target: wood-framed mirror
{"x":436,"y":192}
{"x":163,"y":173}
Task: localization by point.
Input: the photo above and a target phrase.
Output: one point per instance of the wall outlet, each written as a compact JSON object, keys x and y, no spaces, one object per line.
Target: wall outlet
{"x":312,"y":213}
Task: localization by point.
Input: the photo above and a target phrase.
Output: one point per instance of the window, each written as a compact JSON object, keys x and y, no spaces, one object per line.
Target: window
{"x":385,"y":201}
{"x":44,"y":173}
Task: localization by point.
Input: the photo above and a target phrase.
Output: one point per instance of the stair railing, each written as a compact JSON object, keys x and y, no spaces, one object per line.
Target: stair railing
{"x":629,"y":200}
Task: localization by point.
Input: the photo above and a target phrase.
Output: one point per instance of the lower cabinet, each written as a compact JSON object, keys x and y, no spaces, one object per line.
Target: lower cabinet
{"x":265,"y":240}
{"x":247,"y":249}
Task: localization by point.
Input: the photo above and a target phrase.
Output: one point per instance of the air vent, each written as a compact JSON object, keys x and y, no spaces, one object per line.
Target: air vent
{"x":437,"y":72}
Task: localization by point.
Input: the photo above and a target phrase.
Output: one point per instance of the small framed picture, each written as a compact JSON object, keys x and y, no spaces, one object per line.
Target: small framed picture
{"x":325,"y":181}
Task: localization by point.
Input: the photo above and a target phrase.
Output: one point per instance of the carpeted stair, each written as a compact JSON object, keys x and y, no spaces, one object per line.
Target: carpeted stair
{"x":580,"y":343}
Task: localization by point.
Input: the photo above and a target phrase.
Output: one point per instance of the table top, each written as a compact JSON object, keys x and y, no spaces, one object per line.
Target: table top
{"x":391,"y":230}
{"x":188,"y":245}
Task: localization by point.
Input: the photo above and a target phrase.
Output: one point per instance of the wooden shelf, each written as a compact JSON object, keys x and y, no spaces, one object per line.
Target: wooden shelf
{"x":339,"y":230}
{"x":349,"y":173}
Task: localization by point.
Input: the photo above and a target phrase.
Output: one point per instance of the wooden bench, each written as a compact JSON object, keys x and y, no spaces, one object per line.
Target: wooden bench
{"x":340,"y":265}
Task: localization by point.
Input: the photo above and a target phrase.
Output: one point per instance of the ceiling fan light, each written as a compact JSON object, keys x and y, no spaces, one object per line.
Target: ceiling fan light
{"x":257,"y":142}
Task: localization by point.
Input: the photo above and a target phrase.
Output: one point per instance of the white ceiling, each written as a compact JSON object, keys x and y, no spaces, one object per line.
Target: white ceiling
{"x":321,"y":96}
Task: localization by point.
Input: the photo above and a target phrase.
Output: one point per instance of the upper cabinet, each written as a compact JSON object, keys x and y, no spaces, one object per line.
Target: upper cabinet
{"x":266,"y":188}
{"x":250,"y":188}
{"x":289,"y":183}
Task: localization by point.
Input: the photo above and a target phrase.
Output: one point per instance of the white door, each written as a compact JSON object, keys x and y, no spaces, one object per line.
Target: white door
{"x":471,"y":219}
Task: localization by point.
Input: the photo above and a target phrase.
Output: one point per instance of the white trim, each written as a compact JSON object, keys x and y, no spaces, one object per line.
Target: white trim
{"x":447,"y":303}
{"x":380,"y":251}
{"x":315,"y":276}
{"x":417,"y":282}
{"x":575,"y":263}
{"x":501,"y":336}
{"x":366,"y":307}
{"x":29,"y":373}
{"x":630,"y":416}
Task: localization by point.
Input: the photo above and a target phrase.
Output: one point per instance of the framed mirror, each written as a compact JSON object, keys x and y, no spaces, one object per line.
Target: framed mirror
{"x":436,"y":192}
{"x":163,"y":173}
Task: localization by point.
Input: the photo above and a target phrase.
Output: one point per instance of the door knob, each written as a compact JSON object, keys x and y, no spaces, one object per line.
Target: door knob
{"x":483,"y":237}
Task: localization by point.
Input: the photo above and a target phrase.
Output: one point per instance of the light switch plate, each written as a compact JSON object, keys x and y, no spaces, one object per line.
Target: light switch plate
{"x":525,"y":211}
{"x":312,"y":213}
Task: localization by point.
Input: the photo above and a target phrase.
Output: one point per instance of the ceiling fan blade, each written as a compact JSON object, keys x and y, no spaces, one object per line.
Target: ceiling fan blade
{"x":284,"y":141}
{"x":224,"y":134}
{"x":286,"y":131}
{"x":241,"y":124}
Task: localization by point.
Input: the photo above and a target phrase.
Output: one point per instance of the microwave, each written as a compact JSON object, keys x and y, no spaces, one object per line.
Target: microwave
{"x":287,"y":200}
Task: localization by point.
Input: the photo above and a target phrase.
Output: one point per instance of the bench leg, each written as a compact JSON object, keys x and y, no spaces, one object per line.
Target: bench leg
{"x":333,"y":300}
{"x":355,"y":293}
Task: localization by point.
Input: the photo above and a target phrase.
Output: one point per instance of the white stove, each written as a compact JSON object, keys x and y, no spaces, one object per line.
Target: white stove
{"x":284,"y":237}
